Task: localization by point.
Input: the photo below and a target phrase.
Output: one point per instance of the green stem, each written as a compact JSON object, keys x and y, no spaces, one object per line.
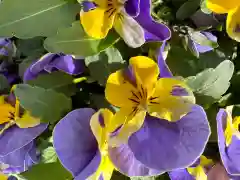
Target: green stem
{"x":78,"y":80}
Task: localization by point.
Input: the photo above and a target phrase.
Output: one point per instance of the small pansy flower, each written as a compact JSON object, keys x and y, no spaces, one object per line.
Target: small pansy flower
{"x":197,"y":171}
{"x":81,"y":140}
{"x":130,"y":18}
{"x":52,"y":62}
{"x":229,"y":140}
{"x":232,"y":7}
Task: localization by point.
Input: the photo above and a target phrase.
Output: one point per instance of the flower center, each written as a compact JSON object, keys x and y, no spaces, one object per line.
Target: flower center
{"x":113,"y":7}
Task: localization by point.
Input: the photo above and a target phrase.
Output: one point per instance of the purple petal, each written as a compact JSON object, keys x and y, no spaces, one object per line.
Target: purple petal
{"x":180,"y":174}
{"x":166,"y":146}
{"x":132,"y":7}
{"x":203,"y":49}
{"x":164,"y":70}
{"x":28,"y":75}
{"x":39,"y":65}
{"x":88,"y":5}
{"x":75,"y":143}
{"x":154,"y":31}
{"x":67,"y":64}
{"x":123,"y":158}
{"x":21,"y":159}
{"x":5,"y":46}
{"x":230,"y":155}
{"x":15,"y":138}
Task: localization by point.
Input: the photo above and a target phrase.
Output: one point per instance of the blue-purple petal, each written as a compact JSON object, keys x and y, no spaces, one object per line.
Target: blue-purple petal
{"x":230,"y":155}
{"x":75,"y":143}
{"x":164,"y":69}
{"x":123,"y":158}
{"x":166,"y":146}
{"x":6,"y":46}
{"x":180,"y":174}
{"x":203,"y":49}
{"x":21,"y":159}
{"x":88,"y":5}
{"x":132,"y":7}
{"x":15,"y":138}
{"x":154,"y":31}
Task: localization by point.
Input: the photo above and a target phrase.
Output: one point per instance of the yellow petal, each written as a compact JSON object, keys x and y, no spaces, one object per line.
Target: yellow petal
{"x":171,"y":100}
{"x":119,"y":90}
{"x":105,"y":169}
{"x":131,"y":124}
{"x":146,"y":72}
{"x":99,"y":124}
{"x":97,"y":22}
{"x":197,"y":172}
{"x":205,"y":161}
{"x":27,"y":121}
{"x":3,"y":176}
{"x":228,"y":133}
{"x":222,"y":6}
{"x":7,"y":113}
{"x":233,"y":24}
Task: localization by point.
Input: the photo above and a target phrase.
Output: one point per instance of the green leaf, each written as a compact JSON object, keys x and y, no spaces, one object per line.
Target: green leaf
{"x":26,"y":63}
{"x":58,"y":81}
{"x":4,"y":85}
{"x":158,"y":177}
{"x":187,"y":9}
{"x":202,"y":39}
{"x":28,"y":18}
{"x":48,"y":105}
{"x":29,"y":47}
{"x":211,"y":84}
{"x":49,"y":171}
{"x":74,"y":40}
{"x":104,"y":63}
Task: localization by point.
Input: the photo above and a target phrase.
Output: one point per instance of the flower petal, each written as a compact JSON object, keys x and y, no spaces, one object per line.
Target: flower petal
{"x":164,"y":69}
{"x":132,"y":7}
{"x":172,"y":99}
{"x":124,"y":160}
{"x":128,"y":28}
{"x":154,"y":31}
{"x":21,"y":159}
{"x":146,"y":72}
{"x":222,"y":6}
{"x":3,"y":176}
{"x":97,"y":22}
{"x":180,"y":174}
{"x":15,"y":138}
{"x":229,"y":155}
{"x":27,"y":121}
{"x":67,"y":64}
{"x":130,"y":124}
{"x":203,"y":49}
{"x":119,"y":90}
{"x":233,"y":24}
{"x":166,"y":146}
{"x":75,"y":143}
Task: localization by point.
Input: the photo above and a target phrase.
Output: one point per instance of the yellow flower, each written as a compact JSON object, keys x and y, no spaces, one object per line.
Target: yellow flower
{"x":231,"y":126}
{"x":10,"y":115}
{"x":138,"y":91}
{"x":108,"y":14}
{"x":232,"y":7}
{"x":198,"y":172}
{"x":100,"y":123}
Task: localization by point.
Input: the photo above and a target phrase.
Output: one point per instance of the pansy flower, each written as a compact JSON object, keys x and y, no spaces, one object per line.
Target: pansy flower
{"x":137,"y":90}
{"x":99,"y":16}
{"x":229,"y":140}
{"x":17,"y":130}
{"x":197,"y":171}
{"x":51,"y":62}
{"x":157,"y":118}
{"x":232,"y":7}
{"x":81,"y":142}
